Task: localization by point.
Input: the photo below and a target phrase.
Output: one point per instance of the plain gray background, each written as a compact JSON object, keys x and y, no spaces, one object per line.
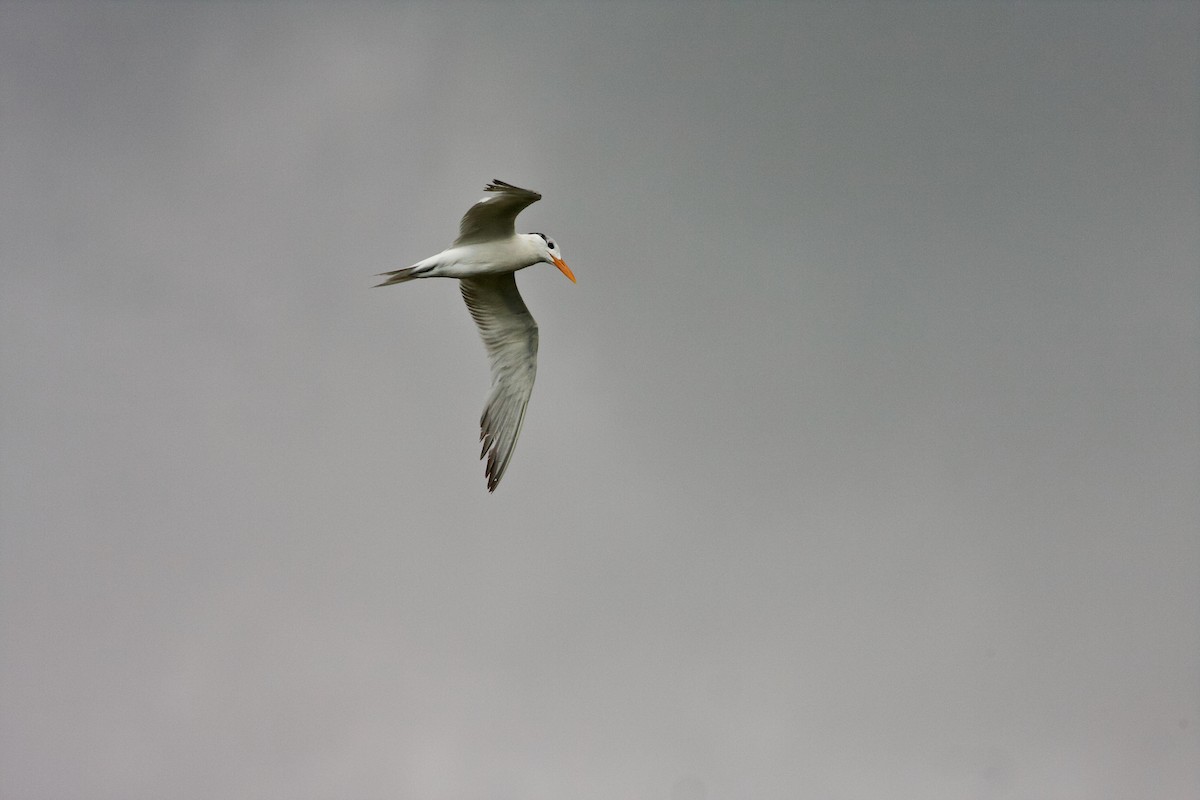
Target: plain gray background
{"x":862,"y":463}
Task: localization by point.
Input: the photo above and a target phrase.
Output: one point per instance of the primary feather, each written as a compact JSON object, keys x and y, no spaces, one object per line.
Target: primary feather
{"x":511,"y":337}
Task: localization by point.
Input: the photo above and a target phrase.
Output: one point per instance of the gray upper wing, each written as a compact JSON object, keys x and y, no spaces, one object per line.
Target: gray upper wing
{"x":494,"y":217}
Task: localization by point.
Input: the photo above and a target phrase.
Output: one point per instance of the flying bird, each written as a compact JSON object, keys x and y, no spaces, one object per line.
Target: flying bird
{"x":485,"y":258}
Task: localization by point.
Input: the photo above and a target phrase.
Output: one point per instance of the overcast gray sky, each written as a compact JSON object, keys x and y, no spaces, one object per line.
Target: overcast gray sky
{"x":862,"y":463}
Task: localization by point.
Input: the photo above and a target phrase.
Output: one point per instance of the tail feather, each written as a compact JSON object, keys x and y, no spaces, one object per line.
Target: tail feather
{"x":400,"y":275}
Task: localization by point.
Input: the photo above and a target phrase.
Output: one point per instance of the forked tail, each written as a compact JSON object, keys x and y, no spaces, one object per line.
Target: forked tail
{"x":402,"y":275}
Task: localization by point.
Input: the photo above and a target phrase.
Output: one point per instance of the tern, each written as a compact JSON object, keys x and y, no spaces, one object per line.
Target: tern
{"x":485,"y":258}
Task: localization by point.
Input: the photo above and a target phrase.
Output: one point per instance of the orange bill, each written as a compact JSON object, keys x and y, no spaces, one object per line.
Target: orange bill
{"x":562,"y":266}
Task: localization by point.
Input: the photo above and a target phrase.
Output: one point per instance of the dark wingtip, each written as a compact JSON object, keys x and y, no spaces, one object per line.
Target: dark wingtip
{"x":498,"y":185}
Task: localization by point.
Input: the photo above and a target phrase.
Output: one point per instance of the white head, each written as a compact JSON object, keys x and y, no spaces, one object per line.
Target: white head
{"x":547,"y":248}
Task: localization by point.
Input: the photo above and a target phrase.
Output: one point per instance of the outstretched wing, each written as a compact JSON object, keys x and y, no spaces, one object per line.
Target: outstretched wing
{"x":511,"y":338}
{"x":494,"y":217}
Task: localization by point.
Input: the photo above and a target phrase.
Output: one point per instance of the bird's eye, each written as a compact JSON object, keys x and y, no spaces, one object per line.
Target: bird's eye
{"x":551,"y":245}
